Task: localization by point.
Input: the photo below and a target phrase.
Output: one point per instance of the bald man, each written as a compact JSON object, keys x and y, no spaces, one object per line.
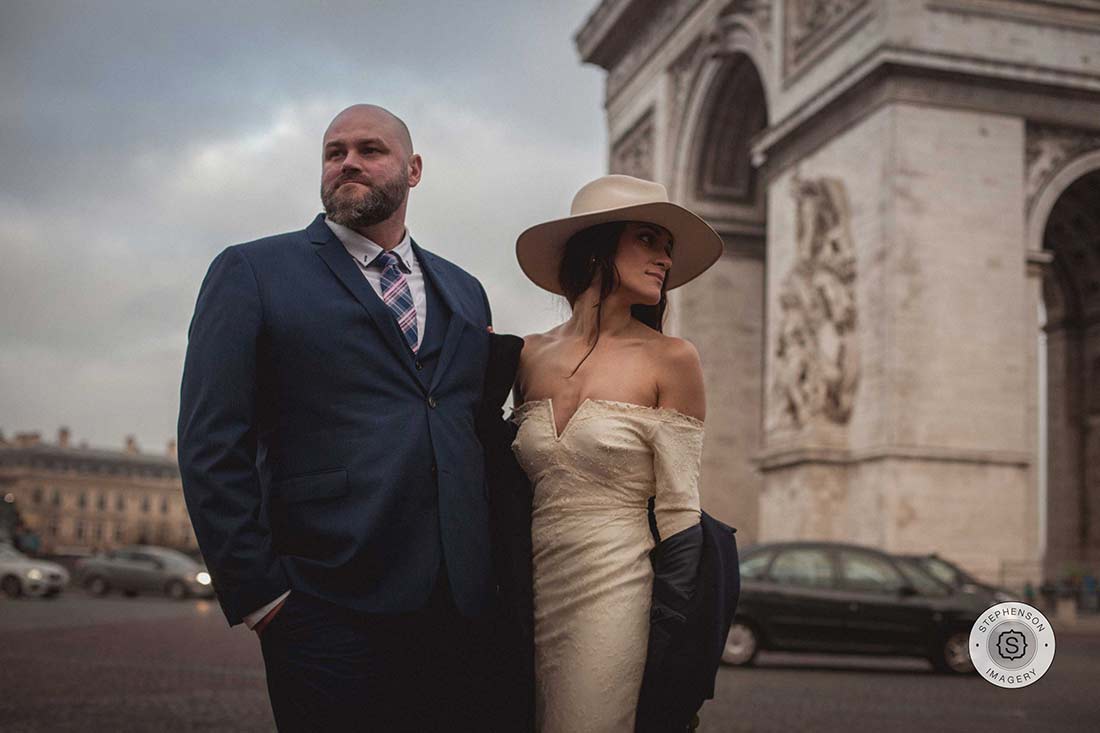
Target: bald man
{"x":328,"y":454}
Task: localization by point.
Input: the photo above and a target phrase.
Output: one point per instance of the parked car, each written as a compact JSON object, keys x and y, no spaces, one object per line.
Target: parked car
{"x":144,"y":569}
{"x":948,"y":572}
{"x":840,"y":598}
{"x":22,"y":575}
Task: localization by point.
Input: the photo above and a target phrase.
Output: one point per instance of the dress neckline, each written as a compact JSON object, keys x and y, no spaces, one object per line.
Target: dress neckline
{"x":660,"y":412}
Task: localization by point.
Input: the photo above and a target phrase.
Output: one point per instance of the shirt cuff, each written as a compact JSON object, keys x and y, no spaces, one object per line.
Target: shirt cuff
{"x":258,"y":615}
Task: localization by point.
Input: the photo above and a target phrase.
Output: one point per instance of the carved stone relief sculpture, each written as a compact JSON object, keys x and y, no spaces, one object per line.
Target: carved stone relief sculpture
{"x":812,"y":26}
{"x":1049,"y":149}
{"x":632,"y":154}
{"x":816,"y":359}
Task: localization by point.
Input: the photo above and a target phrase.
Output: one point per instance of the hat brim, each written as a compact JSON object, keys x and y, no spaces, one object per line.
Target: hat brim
{"x":695,"y":245}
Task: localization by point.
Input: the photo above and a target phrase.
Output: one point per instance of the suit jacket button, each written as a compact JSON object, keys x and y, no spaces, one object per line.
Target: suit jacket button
{"x":431,"y":401}
{"x":419,"y":366}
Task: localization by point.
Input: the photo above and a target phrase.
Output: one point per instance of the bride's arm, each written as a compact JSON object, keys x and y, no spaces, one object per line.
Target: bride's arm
{"x":677,"y":438}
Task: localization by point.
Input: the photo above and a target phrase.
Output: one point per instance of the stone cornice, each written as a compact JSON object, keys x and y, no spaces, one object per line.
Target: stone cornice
{"x":623,"y":35}
{"x":1081,"y":15}
{"x":888,"y":74}
{"x":594,"y":37}
{"x":54,"y":458}
{"x":779,"y":458}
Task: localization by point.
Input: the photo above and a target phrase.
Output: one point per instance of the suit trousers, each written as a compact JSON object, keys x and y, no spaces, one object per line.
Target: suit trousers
{"x":333,"y":669}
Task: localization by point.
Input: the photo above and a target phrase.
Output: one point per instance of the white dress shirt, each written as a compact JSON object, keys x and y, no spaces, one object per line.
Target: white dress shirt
{"x":364,"y":251}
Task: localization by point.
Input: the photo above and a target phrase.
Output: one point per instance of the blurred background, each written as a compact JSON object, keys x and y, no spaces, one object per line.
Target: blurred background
{"x":901,"y":343}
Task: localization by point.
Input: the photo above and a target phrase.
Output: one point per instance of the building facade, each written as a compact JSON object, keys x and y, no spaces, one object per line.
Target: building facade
{"x":902,"y":341}
{"x":78,"y":500}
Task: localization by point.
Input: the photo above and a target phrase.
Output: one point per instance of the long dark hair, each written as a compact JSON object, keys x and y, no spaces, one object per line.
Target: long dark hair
{"x":590,"y":253}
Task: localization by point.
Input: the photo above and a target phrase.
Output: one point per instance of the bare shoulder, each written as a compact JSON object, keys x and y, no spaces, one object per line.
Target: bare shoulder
{"x":534,"y":343}
{"x":533,"y":346}
{"x":680,"y":377}
{"x":677,"y":353}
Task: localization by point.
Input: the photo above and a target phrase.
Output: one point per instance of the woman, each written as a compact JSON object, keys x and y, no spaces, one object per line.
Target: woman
{"x":610,"y":414}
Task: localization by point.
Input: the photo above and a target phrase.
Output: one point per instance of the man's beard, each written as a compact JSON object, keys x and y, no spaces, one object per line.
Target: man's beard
{"x":375,"y":204}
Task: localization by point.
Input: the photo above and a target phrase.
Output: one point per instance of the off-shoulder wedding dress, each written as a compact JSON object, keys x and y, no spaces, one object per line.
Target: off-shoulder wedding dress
{"x":591,"y":542}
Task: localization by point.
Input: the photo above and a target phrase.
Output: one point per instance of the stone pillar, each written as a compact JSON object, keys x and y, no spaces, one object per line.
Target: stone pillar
{"x":904,"y":423}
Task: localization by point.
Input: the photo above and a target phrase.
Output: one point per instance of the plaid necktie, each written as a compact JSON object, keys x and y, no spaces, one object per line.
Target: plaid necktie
{"x":396,"y":295}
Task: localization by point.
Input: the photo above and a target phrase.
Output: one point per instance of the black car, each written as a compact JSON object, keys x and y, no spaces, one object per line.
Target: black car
{"x":840,"y":598}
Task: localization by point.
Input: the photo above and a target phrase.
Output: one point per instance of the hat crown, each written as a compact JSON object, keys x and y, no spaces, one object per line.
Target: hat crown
{"x":615,"y":192}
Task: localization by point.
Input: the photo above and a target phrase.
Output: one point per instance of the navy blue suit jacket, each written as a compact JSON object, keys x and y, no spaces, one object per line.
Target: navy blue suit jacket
{"x":317,"y":452}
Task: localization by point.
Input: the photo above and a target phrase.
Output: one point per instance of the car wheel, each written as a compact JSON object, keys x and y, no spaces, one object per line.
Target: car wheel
{"x":953,"y":656}
{"x":742,"y":643}
{"x":177,"y":590}
{"x":98,"y":586}
{"x":11,"y":586}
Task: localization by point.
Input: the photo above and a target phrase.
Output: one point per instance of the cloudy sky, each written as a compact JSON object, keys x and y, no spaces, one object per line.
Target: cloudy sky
{"x":139,"y":139}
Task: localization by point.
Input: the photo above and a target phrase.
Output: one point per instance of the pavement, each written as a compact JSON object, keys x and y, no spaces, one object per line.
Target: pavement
{"x":150,"y":664}
{"x":122,"y":664}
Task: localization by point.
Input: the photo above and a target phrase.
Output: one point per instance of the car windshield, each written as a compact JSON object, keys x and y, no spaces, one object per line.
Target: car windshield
{"x":171,"y":558}
{"x":941,"y":571}
{"x":920,"y":579}
{"x":754,"y":566}
{"x":10,"y":553}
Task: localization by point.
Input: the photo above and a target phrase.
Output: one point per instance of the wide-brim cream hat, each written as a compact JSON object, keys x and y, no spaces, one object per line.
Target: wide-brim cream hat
{"x":695,"y":245}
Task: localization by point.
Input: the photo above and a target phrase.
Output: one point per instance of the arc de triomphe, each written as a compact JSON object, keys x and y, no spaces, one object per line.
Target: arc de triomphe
{"x":902,"y":341}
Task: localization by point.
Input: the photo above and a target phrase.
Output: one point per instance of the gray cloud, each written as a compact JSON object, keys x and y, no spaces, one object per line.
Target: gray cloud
{"x":143,"y":138}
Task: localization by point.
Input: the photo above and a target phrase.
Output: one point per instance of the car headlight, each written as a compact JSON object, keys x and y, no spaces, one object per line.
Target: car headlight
{"x":202,"y":578}
{"x":34,"y":574}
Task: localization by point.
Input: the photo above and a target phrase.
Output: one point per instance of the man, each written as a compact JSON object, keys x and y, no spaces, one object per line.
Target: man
{"x":328,"y":452}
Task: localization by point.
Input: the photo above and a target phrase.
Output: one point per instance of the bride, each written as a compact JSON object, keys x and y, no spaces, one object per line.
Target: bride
{"x":610,"y":414}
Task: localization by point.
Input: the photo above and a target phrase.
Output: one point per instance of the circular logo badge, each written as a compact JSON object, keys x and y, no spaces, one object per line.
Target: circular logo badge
{"x":1012,"y":644}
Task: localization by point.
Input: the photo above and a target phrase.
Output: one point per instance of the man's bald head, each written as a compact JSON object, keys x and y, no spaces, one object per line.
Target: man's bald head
{"x":372,"y":114}
{"x":367,"y":168}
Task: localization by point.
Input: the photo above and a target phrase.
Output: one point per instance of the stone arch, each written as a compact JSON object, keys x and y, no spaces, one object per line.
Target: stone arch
{"x":1064,"y":221}
{"x":1052,"y":191}
{"x":720,"y":102}
{"x":698,"y":81}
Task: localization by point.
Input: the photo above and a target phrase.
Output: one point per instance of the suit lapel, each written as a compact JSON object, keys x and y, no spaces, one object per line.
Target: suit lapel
{"x":458,"y":320}
{"x":344,"y":267}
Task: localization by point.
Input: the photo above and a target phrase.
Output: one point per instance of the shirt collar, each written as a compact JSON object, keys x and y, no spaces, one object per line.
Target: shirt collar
{"x":365,"y":251}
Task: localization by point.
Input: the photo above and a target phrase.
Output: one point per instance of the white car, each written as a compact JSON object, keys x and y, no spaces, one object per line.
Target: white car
{"x":22,"y":575}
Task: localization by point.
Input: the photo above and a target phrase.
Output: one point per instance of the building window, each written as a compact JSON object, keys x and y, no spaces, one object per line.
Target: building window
{"x":101,"y":503}
{"x":80,"y":529}
{"x":55,"y":499}
{"x":97,"y":532}
{"x":164,"y":505}
{"x":52,"y":527}
{"x":82,"y":500}
{"x":120,"y":503}
{"x":164,"y":533}
{"x":145,"y":505}
{"x":37,"y":497}
{"x":120,"y":532}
